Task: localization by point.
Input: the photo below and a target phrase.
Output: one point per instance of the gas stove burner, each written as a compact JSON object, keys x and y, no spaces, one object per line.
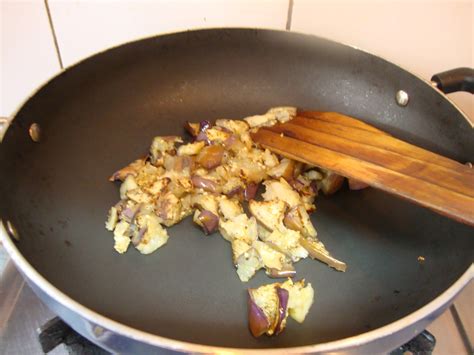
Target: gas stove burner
{"x":423,"y":344}
{"x":55,"y":332}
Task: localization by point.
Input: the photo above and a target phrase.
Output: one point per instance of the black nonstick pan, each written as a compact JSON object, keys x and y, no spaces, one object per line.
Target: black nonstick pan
{"x":102,"y":113}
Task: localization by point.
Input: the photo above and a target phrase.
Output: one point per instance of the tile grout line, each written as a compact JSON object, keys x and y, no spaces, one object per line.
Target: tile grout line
{"x":461,"y":329}
{"x":288,"y":16}
{"x":55,"y":38}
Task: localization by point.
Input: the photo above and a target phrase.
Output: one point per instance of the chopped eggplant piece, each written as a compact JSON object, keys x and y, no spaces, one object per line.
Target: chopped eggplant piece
{"x":285,"y":272}
{"x":229,"y":208}
{"x":285,"y":170}
{"x":205,"y":201}
{"x":214,"y":178}
{"x":269,"y":213}
{"x":266,"y":299}
{"x":331,"y":183}
{"x":191,"y":148}
{"x":209,"y":221}
{"x":281,"y":190}
{"x":274,"y":115}
{"x":300,"y":299}
{"x":271,"y":258}
{"x":298,"y":219}
{"x":154,"y":236}
{"x":248,"y":264}
{"x":236,"y":126}
{"x":112,"y":220}
{"x":258,"y":321}
{"x":205,"y":184}
{"x":218,"y":135}
{"x":122,"y":233}
{"x":270,"y":305}
{"x":288,"y":241}
{"x":283,"y":296}
{"x":210,"y":157}
{"x":131,"y":169}
{"x":239,"y":227}
{"x":161,"y":146}
{"x":318,"y":251}
{"x":128,"y":184}
{"x":192,"y":128}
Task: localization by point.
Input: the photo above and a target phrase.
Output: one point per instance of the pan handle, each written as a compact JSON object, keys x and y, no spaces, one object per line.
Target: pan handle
{"x":458,"y":79}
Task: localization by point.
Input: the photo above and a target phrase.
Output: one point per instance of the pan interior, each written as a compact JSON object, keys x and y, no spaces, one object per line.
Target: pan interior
{"x":103,"y":113}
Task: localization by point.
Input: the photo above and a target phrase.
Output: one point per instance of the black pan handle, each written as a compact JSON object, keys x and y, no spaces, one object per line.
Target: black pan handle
{"x":458,"y":79}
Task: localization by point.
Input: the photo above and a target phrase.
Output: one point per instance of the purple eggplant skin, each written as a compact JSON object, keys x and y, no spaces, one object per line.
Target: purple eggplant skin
{"x":258,"y":322}
{"x":209,"y":221}
{"x":250,"y":191}
{"x":202,"y":137}
{"x":203,"y":183}
{"x":138,"y":238}
{"x":283,"y":296}
{"x":279,"y":274}
{"x":204,"y":125}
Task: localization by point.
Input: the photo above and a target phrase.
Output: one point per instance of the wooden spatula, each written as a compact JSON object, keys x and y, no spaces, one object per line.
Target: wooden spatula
{"x":357,"y":150}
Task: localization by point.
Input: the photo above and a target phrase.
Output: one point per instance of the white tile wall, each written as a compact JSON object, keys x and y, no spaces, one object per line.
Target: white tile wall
{"x":423,"y":36}
{"x":85,"y":27}
{"x":27,"y":54}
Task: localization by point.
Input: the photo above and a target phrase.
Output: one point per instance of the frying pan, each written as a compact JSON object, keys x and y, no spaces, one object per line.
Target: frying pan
{"x":102,"y":113}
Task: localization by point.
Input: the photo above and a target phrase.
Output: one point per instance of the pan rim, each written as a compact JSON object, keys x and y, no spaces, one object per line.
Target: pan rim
{"x":40,"y":86}
{"x":156,"y":340}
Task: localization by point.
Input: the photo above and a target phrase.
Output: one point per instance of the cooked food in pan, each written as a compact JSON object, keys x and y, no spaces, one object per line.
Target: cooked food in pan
{"x":270,"y":305}
{"x":216,"y":178}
